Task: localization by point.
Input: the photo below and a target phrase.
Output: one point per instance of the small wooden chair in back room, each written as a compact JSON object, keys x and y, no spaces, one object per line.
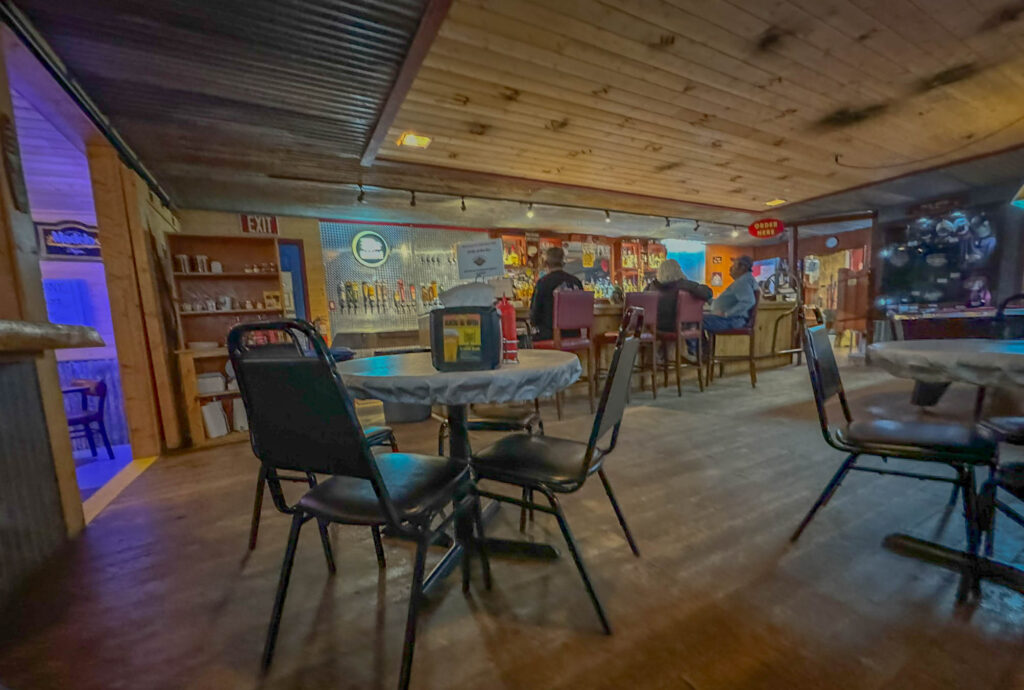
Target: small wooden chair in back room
{"x":748,"y":330}
{"x":574,"y":310}
{"x":689,"y":325}
{"x":80,"y":424}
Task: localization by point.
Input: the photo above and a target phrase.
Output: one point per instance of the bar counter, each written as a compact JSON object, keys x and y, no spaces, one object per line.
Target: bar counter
{"x":607,"y":317}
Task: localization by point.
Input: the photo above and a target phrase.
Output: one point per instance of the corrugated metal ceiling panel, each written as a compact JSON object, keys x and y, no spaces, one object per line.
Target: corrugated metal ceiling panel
{"x":296,"y":74}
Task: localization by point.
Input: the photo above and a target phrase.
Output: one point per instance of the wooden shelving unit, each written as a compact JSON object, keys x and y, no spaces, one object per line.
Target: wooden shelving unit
{"x":235,"y":253}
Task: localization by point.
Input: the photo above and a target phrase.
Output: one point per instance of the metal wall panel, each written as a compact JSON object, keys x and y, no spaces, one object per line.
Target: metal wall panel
{"x":31,"y":519}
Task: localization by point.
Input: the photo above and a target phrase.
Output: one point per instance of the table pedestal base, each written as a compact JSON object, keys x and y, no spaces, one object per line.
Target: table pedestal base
{"x":957,"y":561}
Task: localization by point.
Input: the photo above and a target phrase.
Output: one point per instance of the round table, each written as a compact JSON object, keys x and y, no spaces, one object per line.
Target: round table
{"x":412,"y":378}
{"x":975,"y":361}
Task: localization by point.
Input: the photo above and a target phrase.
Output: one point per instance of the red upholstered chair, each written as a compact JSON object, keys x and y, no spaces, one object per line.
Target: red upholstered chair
{"x":574,"y":310}
{"x":689,"y":324}
{"x":648,"y":301}
{"x":750,"y":357}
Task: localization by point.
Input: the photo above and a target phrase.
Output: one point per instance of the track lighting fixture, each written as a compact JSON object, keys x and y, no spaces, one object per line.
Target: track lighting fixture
{"x":361,"y":199}
{"x":529,"y":210}
{"x":412,"y":197}
{"x":607,"y":217}
{"x":462,"y":204}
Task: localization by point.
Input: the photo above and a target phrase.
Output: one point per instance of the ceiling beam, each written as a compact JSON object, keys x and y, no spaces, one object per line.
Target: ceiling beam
{"x":426,"y":32}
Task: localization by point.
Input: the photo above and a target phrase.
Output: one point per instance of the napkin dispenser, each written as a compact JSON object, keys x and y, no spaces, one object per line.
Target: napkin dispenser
{"x":465,"y":338}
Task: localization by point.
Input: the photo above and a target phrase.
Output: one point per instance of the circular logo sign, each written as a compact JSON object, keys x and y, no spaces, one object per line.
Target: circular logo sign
{"x":370,"y":249}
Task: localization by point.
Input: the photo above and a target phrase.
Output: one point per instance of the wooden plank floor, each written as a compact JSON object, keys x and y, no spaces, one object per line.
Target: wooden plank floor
{"x":161,"y":593}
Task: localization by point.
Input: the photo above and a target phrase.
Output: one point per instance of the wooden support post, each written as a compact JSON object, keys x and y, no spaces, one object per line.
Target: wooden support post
{"x":126,"y":305}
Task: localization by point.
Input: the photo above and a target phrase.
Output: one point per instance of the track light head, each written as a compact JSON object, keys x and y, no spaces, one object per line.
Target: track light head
{"x":361,"y":199}
{"x":607,"y":216}
{"x":462,"y":204}
{"x":529,"y":210}
{"x":412,"y":197}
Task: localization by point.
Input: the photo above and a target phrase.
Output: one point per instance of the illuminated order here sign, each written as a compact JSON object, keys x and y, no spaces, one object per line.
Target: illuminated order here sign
{"x":767,"y":227}
{"x":370,"y":249}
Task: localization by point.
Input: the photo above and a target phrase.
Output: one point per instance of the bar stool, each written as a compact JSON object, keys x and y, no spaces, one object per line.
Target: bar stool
{"x":574,"y":310}
{"x":689,"y":325}
{"x":750,"y":357}
{"x":648,"y":302}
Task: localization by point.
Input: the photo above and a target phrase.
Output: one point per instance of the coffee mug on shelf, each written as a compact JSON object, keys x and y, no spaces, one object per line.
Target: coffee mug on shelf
{"x":202,"y":263}
{"x":224,"y":303}
{"x":216,"y":267}
{"x":181,"y":263}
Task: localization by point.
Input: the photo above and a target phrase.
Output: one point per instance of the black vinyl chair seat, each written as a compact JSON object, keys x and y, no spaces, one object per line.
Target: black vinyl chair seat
{"x":542,"y":460}
{"x":418,"y":485}
{"x":930,"y":440}
{"x":1009,"y":429}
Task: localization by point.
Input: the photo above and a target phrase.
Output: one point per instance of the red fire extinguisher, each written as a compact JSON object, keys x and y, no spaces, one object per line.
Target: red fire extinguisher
{"x":509,"y":338}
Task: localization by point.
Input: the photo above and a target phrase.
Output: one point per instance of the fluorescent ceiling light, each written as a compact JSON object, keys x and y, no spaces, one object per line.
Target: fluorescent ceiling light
{"x":775,"y":202}
{"x":413,"y":140}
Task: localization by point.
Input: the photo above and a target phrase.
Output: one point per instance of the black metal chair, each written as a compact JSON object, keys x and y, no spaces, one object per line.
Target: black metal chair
{"x":81,"y":423}
{"x":302,"y":419}
{"x":551,"y":466}
{"x":375,"y":436}
{"x":960,"y":446}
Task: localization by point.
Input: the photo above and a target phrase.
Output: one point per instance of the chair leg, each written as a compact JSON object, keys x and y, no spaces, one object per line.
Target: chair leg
{"x":700,"y":364}
{"x":106,"y":439}
{"x":753,"y":364}
{"x":969,"y":580}
{"x":654,"y":370}
{"x":830,"y":489}
{"x":558,"y":405}
{"x":442,"y":434}
{"x":378,"y":546}
{"x":618,"y":512}
{"x":711,"y":359}
{"x":325,"y":537}
{"x":481,"y":541}
{"x":415,"y":598}
{"x":257,"y":508}
{"x":522,"y":510}
{"x":282,"y":590}
{"x":592,"y":378}
{"x":89,"y":438}
{"x":953,"y":496}
{"x":679,"y":367}
{"x":570,"y":541}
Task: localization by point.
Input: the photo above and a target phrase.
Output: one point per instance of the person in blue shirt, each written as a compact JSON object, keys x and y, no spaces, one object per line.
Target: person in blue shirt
{"x":732,"y":308}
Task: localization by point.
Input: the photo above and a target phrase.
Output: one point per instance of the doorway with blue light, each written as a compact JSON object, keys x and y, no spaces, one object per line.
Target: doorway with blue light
{"x":294,"y":287}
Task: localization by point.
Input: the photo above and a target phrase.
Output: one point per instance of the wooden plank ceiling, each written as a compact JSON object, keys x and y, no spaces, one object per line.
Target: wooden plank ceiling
{"x":731,"y":103}
{"x":687,"y":108}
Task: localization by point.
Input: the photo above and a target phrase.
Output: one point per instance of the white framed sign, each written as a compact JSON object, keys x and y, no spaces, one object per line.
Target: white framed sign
{"x":481,"y":259}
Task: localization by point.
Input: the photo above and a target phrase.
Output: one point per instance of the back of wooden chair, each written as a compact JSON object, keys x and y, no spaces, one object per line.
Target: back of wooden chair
{"x":574,"y":309}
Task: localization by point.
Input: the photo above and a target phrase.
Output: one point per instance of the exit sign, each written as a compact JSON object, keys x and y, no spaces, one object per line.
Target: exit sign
{"x":259,"y":225}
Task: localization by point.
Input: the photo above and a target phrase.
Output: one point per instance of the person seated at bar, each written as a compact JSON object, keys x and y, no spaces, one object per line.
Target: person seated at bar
{"x":732,"y":308}
{"x":669,"y":281}
{"x":542,"y":307}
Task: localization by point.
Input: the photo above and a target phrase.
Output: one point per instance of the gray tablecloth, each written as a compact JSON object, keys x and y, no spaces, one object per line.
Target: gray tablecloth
{"x":997,"y":363}
{"x":411,"y":378}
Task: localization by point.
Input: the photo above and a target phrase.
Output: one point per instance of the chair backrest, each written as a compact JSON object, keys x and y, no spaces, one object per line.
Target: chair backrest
{"x":616,"y":386}
{"x":301,"y":417}
{"x":647,"y":302}
{"x":689,"y":308}
{"x":573,"y":309}
{"x":91,"y":388}
{"x":825,"y":379}
{"x":1008,"y":327}
{"x":752,"y":319}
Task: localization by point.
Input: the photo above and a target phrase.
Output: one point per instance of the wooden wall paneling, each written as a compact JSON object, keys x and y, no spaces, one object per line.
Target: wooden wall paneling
{"x":148,"y":275}
{"x":126,"y":303}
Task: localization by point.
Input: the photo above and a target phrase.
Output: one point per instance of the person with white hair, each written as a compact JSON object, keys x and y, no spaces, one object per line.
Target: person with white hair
{"x":670,"y":280}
